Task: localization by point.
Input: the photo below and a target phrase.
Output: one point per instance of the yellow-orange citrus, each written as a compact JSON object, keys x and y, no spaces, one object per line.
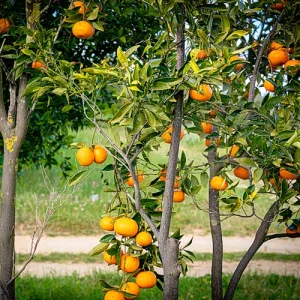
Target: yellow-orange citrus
{"x":114,"y":295}
{"x":110,"y":259}
{"x":292,"y":230}
{"x":274,"y":46}
{"x":126,"y":227}
{"x":202,"y":54}
{"x":83,"y":8}
{"x":269,"y":86}
{"x":100,"y":154}
{"x":143,"y":238}
{"x":278,"y":57}
{"x":234,"y":150}
{"x":285,"y":174}
{"x":167,"y":135}
{"x":212,"y":113}
{"x":130,"y":181}
{"x":131,"y":288}
{"x":107,"y":223}
{"x":38,"y":65}
{"x":83,"y":30}
{"x":207,"y":127}
{"x":178,"y":196}
{"x":163,"y":177}
{"x":4,"y":25}
{"x":129,"y":263}
{"x":241,"y":172}
{"x":292,"y":66}
{"x":218,"y":183}
{"x":279,"y":6}
{"x":215,"y":141}
{"x":85,"y":156}
{"x":146,"y":279}
{"x":238,"y":66}
{"x":204,"y":94}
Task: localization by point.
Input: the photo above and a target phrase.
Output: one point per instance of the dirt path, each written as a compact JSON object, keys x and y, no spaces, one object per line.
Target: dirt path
{"x":84,"y":244}
{"x":199,"y":268}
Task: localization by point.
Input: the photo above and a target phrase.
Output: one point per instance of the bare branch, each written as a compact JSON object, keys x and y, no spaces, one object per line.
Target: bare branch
{"x":281,"y":235}
{"x":46,"y":7}
{"x":3,"y":116}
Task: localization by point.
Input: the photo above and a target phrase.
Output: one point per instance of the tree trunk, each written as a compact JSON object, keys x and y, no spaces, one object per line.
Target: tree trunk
{"x":258,"y":241}
{"x":216,"y":234}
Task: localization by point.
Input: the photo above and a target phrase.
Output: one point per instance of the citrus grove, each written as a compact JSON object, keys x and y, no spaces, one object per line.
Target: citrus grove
{"x":215,"y":70}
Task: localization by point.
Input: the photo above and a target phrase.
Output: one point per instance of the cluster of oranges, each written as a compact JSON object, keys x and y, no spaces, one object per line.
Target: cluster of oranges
{"x":82,"y":29}
{"x":86,"y":156}
{"x":129,"y":263}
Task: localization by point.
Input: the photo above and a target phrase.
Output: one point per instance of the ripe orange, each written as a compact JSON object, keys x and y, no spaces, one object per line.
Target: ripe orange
{"x":38,"y":65}
{"x":107,"y":223}
{"x":274,"y":46}
{"x":234,"y":150}
{"x":218,"y":183}
{"x":215,"y":142}
{"x":83,"y":30}
{"x":126,"y":227}
{"x":274,"y":183}
{"x":202,"y":54}
{"x":292,"y":230}
{"x":146,"y":279}
{"x":241,"y":172}
{"x":204,"y":95}
{"x":129,"y":263}
{"x":100,"y":154}
{"x":212,"y":113}
{"x":238,"y":66}
{"x":110,"y":259}
{"x":207,"y":127}
{"x":278,"y":57}
{"x":287,"y":175}
{"x":178,"y":196}
{"x":143,"y":239}
{"x":163,"y":177}
{"x":279,"y":6}
{"x":83,"y":8}
{"x":131,"y":288}
{"x":114,"y":295}
{"x":130,"y":181}
{"x":85,"y":156}
{"x":292,"y":66}
{"x":4,"y":25}
{"x":167,"y":135}
{"x":269,"y":86}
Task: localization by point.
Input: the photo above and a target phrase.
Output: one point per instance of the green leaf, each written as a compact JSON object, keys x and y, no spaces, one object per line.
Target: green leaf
{"x":203,"y":36}
{"x":31,"y":86}
{"x":236,"y":35}
{"x":28,"y":52}
{"x":246,"y":161}
{"x":100,"y":71}
{"x":59,"y":91}
{"x":93,"y":15}
{"x":204,"y":178}
{"x":257,"y":174}
{"x":76,"y":178}
{"x":121,"y":113}
{"x":99,"y":249}
{"x":122,"y":57}
{"x":66,"y":108}
{"x":189,"y":243}
{"x":271,"y":102}
{"x":237,"y":205}
{"x":150,"y":119}
{"x":109,"y":167}
{"x":107,"y":238}
{"x":182,"y":160}
{"x":98,"y":25}
{"x":105,"y":284}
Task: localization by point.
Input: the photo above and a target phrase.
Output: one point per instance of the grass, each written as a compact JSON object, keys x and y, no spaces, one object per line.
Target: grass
{"x":81,"y":213}
{"x":85,"y":258}
{"x":252,"y":286}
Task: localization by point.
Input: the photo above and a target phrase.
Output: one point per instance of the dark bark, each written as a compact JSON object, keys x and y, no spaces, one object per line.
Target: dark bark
{"x":259,"y":239}
{"x":216,"y":233}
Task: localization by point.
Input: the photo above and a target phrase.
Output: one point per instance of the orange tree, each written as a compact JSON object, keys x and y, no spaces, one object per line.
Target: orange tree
{"x":208,"y":66}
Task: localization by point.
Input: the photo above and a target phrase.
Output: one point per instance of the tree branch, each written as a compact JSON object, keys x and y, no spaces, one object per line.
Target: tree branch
{"x":281,"y":235}
{"x":3,"y":116}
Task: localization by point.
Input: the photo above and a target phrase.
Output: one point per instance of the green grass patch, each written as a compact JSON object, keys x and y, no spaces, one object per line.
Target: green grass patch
{"x":81,"y":212}
{"x":88,"y":288}
{"x":85,"y":258}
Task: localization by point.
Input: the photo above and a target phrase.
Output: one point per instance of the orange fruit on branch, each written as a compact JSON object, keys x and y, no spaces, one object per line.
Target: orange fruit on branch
{"x":4,"y":25}
{"x":143,"y":239}
{"x":215,"y":141}
{"x":241,"y":172}
{"x":270,"y":87}
{"x":131,"y":288}
{"x":130,"y":181}
{"x":114,"y":295}
{"x":292,"y":66}
{"x":83,"y":8}
{"x":129,"y":263}
{"x":234,"y":150}
{"x":285,"y":174}
{"x":178,"y":196}
{"x":202,"y":54}
{"x":278,"y":57}
{"x":100,"y":154}
{"x":38,"y":65}
{"x":85,"y":156}
{"x":238,"y":66}
{"x":274,"y":46}
{"x":110,"y":259}
{"x":204,"y":94}
{"x":107,"y":223}
{"x":218,"y":183}
{"x":146,"y":279}
{"x":167,"y":135}
{"x":292,"y":229}
{"x":83,"y":30}
{"x":126,"y":227}
{"x":279,"y":6}
{"x":207,"y":127}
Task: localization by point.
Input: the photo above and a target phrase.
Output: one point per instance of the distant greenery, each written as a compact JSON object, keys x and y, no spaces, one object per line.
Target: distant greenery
{"x":85,"y":258}
{"x":88,"y":288}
